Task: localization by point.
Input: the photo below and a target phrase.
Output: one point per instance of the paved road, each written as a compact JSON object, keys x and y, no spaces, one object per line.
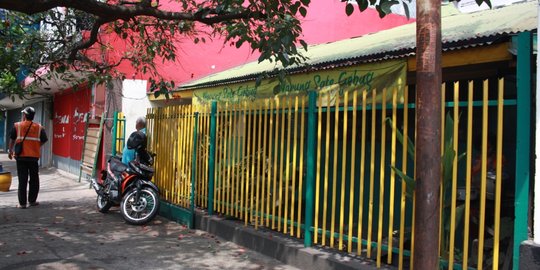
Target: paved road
{"x":66,"y":232}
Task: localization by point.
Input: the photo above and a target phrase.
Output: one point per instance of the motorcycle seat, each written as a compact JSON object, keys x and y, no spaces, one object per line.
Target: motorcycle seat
{"x":117,"y":165}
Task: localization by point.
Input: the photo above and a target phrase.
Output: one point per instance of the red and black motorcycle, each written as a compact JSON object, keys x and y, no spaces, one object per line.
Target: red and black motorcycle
{"x":130,"y":186}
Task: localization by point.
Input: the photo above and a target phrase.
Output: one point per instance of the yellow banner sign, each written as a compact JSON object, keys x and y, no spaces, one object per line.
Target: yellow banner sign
{"x":388,"y":74}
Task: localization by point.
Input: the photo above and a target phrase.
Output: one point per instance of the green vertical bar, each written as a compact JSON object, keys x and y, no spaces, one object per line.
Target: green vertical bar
{"x":114,"y":131}
{"x":521,"y":205}
{"x":194,"y":169}
{"x":310,"y":168}
{"x":211,"y":158}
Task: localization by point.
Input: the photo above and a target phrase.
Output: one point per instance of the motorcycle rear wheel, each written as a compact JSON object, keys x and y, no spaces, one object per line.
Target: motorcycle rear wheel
{"x":142,"y":211}
{"x":103,"y":204}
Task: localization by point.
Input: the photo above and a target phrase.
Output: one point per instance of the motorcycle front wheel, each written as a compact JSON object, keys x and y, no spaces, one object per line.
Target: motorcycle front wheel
{"x":141,"y":211}
{"x":103,"y":204}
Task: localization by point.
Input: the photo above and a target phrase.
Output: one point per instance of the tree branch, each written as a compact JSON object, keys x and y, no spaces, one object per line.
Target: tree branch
{"x":115,"y":12}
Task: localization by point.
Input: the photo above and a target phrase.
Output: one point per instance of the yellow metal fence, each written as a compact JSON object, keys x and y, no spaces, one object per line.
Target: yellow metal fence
{"x":361,"y":204}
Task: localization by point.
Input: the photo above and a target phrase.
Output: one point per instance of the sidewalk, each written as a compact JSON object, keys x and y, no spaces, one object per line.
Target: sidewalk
{"x":66,"y":232}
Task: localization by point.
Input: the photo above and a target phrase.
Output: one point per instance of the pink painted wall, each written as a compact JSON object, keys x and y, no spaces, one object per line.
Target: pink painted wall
{"x":326,"y":21}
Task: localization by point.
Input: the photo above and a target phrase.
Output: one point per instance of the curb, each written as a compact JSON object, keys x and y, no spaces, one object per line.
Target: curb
{"x":276,"y":245}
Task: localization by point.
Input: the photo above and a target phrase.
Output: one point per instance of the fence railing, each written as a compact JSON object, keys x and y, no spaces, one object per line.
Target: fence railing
{"x":345,"y":188}
{"x":119,"y":133}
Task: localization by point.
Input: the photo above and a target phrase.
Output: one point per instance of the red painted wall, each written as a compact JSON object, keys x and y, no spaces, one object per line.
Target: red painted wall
{"x":68,"y":126}
{"x":326,"y":21}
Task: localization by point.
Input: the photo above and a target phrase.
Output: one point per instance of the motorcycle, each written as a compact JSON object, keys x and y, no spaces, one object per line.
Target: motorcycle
{"x":129,"y":186}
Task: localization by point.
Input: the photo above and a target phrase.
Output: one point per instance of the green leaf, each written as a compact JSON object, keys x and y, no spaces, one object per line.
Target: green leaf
{"x":480,"y":2}
{"x":399,"y":135}
{"x":349,"y":8}
{"x":303,"y":11}
{"x":410,"y":184}
{"x":362,"y":4}
{"x":406,"y":9}
{"x":387,"y":5}
{"x":239,"y":43}
{"x":305,"y":2}
{"x":304,"y":44}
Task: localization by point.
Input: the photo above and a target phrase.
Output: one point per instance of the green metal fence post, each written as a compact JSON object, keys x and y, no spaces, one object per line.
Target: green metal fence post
{"x":523,"y":145}
{"x":194,"y":168}
{"x":310,"y":168}
{"x":114,"y":132}
{"x":211,"y":158}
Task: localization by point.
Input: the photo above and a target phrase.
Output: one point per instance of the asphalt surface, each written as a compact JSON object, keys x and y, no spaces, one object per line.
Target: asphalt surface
{"x":67,"y":232}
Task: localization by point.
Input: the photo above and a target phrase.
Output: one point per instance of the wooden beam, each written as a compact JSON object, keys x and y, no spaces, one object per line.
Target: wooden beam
{"x":463,"y":57}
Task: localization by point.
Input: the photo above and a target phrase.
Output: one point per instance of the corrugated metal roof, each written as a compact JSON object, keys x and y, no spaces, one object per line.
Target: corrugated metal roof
{"x":458,"y":30}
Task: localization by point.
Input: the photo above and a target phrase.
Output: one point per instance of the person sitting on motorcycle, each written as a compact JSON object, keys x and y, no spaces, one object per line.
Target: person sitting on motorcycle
{"x":129,"y":154}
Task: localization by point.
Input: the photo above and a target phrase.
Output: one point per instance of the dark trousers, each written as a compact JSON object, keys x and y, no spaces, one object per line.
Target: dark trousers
{"x":25,"y":169}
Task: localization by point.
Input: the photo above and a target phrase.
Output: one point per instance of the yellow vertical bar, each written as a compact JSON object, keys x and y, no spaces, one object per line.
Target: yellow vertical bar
{"x":381,"y":188}
{"x":159,"y":134}
{"x":468,"y":176}
{"x":184,"y":143}
{"x":206,"y":162}
{"x":239,"y":160}
{"x":362,"y":172}
{"x":253,"y":179}
{"x":295,"y":145}
{"x":334,"y":168}
{"x":441,"y":186}
{"x":174,"y":139}
{"x":498,"y":172}
{"x":276,"y":156}
{"x":249,"y":159}
{"x":222,"y":122}
{"x":343,"y":170}
{"x":186,"y":169}
{"x":201,"y":142}
{"x":270,"y":143}
{"x":264,"y":161}
{"x":287,"y":165}
{"x":301,"y":166}
{"x":233,"y":158}
{"x":404,"y":170}
{"x":351,"y":189}
{"x":180,"y":155}
{"x":198,"y":174}
{"x":163,"y":165}
{"x":230,"y":160}
{"x":281,"y":160}
{"x":318,"y":172}
{"x":224,"y":146}
{"x":192,"y":147}
{"x":454,"y":178}
{"x":177,"y":159}
{"x":233,"y":207}
{"x":372,"y":168}
{"x":217,"y":173}
{"x":245,"y":157}
{"x":199,"y":162}
{"x":326,"y":169}
{"x":259,"y":160}
{"x":392,"y":176}
{"x":483,"y":176}
{"x":219,"y":160}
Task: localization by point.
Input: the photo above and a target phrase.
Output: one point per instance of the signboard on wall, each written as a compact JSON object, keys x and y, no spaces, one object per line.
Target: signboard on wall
{"x":388,"y":74}
{"x":68,"y":122}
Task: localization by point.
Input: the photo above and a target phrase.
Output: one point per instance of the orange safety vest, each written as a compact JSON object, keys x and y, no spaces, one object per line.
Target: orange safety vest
{"x":32,"y":143}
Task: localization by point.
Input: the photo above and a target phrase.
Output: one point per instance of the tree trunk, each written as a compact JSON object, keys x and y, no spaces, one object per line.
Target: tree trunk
{"x":428,"y":132}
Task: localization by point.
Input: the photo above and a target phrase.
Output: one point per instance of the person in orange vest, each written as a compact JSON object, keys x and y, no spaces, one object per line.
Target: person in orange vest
{"x":32,"y":136}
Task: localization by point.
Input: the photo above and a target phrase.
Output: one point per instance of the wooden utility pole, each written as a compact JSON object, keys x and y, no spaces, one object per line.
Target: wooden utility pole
{"x":428,"y":134}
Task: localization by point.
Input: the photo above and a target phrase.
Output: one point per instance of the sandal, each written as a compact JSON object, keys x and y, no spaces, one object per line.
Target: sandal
{"x":34,"y":204}
{"x":21,"y":206}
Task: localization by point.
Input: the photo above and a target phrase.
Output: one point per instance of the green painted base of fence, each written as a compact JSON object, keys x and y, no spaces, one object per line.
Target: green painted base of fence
{"x":177,"y":214}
